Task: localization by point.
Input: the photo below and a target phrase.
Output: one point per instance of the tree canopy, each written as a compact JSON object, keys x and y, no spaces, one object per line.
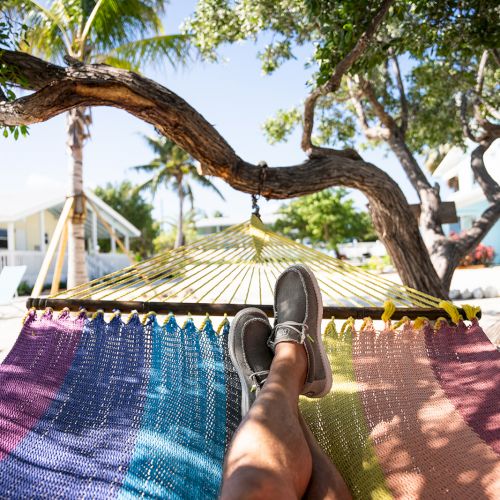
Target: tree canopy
{"x":127,"y":201}
{"x":440,"y":42}
{"x":325,"y":219}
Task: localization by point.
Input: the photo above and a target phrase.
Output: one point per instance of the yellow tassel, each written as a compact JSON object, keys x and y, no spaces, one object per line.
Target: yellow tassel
{"x":205,"y":321}
{"x":367,"y":324}
{"x":168,"y":318}
{"x":451,"y":310}
{"x":65,"y":311}
{"x":330,"y":328}
{"x":188,"y":318}
{"x":471,"y":311}
{"x":223,"y":323}
{"x":402,"y":321}
{"x":98,"y":313}
{"x":419,"y":322}
{"x":348,"y":326}
{"x":25,"y":317}
{"x":389,"y":309}
{"x":116,"y":314}
{"x":147,"y":316}
{"x":132,"y":315}
{"x":439,"y":323}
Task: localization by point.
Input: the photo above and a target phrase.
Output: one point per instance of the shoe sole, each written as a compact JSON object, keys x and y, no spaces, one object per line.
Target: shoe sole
{"x":317,"y":336}
{"x":245,"y":400}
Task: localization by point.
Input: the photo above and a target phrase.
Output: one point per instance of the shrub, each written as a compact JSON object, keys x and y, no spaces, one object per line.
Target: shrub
{"x":482,"y":254}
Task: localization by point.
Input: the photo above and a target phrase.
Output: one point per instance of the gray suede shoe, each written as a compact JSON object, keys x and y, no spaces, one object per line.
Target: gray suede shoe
{"x":249,"y":352}
{"x":298,"y":311}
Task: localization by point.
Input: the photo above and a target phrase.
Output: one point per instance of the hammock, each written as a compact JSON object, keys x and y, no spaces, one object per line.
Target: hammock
{"x":95,"y":407}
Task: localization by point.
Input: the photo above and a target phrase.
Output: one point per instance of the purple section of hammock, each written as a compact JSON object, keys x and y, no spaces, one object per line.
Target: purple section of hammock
{"x":33,"y":372}
{"x":467,"y":366}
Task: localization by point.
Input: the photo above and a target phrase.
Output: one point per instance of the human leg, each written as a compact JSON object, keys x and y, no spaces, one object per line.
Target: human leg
{"x":326,"y":482}
{"x":269,"y":456}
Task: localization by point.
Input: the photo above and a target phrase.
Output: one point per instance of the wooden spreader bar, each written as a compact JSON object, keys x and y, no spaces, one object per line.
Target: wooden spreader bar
{"x":202,"y":308}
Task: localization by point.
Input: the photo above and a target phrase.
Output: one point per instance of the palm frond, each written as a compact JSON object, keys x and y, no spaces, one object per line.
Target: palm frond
{"x":153,"y":50}
{"x":48,"y":33}
{"x":118,"y":22}
{"x":116,"y":62}
{"x":148,"y":167}
{"x":205,"y":182}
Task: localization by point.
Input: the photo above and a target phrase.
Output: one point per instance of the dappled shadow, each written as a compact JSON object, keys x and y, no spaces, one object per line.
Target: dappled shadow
{"x":422,"y":442}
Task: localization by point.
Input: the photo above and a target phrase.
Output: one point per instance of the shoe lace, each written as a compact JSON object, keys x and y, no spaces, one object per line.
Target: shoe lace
{"x":258,"y":383}
{"x":300,"y":328}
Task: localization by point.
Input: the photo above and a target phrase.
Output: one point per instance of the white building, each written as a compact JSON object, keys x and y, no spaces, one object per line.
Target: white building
{"x":468,"y":196}
{"x":28,"y":220}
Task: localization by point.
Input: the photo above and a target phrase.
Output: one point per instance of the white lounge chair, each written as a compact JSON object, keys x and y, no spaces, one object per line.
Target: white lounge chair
{"x":10,"y":279}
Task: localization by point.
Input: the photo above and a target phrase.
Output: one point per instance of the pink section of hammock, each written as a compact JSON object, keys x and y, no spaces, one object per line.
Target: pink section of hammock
{"x":30,"y":379}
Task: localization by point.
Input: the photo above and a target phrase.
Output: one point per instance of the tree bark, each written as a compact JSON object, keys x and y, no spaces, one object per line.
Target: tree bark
{"x":62,"y":89}
{"x":77,"y":266}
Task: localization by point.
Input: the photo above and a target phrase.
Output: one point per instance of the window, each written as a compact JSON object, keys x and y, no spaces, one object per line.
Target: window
{"x":3,"y":238}
{"x":453,"y":184}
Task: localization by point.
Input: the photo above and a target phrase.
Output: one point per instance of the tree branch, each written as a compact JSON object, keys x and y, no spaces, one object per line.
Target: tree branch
{"x":340,"y":70}
{"x":371,"y":133}
{"x":480,"y":72}
{"x":490,"y":187}
{"x":467,"y":131}
{"x":402,"y":95}
{"x":100,"y":85}
{"x":385,"y":118}
{"x":471,"y":237}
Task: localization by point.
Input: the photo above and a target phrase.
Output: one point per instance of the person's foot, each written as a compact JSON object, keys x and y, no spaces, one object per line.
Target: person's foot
{"x":249,"y":352}
{"x":298,"y":311}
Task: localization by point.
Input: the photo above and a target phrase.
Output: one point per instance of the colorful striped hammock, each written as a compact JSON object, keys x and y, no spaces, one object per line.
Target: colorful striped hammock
{"x":95,"y":407}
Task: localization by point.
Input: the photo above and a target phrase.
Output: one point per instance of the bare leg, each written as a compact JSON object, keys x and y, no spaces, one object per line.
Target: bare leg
{"x":326,"y":482}
{"x":269,"y":456}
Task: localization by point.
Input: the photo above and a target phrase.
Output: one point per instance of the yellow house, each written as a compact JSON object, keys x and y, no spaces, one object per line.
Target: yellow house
{"x":28,"y":220}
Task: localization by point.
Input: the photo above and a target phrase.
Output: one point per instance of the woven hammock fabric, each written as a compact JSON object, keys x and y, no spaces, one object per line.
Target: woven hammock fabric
{"x":96,"y":409}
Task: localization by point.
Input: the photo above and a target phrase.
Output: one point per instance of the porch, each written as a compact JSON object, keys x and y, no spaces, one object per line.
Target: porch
{"x":98,"y":264}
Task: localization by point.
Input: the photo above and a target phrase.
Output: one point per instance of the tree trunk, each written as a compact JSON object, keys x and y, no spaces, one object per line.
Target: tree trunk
{"x":180,"y":240}
{"x":441,"y":250}
{"x":77,"y":267}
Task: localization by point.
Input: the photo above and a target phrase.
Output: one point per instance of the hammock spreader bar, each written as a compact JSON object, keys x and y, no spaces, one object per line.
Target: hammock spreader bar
{"x":202,"y":308}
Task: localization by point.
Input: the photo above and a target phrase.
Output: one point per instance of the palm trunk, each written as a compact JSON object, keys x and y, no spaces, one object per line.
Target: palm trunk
{"x":77,"y":268}
{"x":180,"y":241}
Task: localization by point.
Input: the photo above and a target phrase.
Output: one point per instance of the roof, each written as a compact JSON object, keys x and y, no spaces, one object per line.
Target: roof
{"x":456,"y":159}
{"x":16,"y":206}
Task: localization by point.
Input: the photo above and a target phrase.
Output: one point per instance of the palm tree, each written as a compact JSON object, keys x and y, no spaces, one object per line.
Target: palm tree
{"x":173,"y":168}
{"x":124,"y":34}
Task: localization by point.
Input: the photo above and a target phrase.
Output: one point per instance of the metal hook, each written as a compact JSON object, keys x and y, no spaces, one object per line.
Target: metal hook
{"x":255,"y":197}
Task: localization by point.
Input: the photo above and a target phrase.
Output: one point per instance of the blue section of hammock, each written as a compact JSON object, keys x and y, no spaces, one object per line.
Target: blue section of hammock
{"x":180,"y":447}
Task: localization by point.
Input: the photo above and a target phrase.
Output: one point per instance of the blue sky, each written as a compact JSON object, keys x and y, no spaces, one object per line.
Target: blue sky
{"x":234,"y":96}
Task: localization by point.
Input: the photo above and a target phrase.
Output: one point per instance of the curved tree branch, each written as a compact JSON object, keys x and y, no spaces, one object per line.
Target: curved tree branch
{"x":340,"y":70}
{"x":467,"y":131}
{"x":480,"y":72}
{"x":490,"y":187}
{"x":371,"y":132}
{"x":100,"y":85}
{"x":402,"y":95}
